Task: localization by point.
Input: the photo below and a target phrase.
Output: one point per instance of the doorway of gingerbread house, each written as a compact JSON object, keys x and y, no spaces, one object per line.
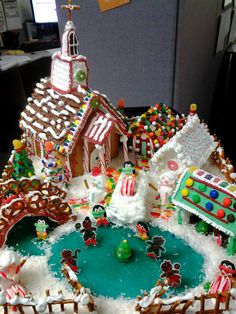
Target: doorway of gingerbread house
{"x":23,"y":235}
{"x":166,"y":160}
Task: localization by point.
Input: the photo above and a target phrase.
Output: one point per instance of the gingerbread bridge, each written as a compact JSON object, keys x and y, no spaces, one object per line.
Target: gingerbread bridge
{"x":32,"y":198}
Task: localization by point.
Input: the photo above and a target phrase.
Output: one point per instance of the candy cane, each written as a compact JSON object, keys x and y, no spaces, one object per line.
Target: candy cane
{"x":102,"y":159}
{"x":134,"y":145}
{"x":108,"y":149}
{"x":151,"y":147}
{"x":86,"y":157}
{"x":125,"y":151}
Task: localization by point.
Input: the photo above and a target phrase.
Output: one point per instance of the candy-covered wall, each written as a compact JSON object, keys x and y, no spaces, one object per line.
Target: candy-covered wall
{"x":132,"y":52}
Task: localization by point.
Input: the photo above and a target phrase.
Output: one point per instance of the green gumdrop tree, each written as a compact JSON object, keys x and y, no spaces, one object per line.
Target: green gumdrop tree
{"x":22,"y":165}
{"x":124,"y":251}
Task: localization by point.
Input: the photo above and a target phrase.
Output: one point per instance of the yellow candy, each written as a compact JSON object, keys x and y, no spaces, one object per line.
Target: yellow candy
{"x":185,"y":192}
{"x":138,"y":123}
{"x":76,"y":122}
{"x":17,"y":144}
{"x":193,"y":107}
{"x":84,"y":106}
{"x":189,"y":182}
{"x":193,"y":168}
{"x":155,"y":141}
{"x":69,"y":136}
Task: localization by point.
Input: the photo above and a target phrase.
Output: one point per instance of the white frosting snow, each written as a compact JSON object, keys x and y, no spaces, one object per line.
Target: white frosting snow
{"x":129,"y":209}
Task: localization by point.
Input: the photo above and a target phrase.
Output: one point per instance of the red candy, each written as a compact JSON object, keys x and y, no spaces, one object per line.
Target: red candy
{"x":172,"y":165}
{"x":220,"y":213}
{"x":227,"y":202}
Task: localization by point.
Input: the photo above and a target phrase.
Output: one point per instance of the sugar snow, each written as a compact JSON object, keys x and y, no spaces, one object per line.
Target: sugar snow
{"x":37,"y":268}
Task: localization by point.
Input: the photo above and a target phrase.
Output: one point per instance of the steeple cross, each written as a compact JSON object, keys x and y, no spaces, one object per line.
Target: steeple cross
{"x":70,"y":7}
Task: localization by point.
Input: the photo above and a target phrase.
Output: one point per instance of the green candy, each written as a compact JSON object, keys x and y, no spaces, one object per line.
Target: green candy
{"x":202,"y":187}
{"x":80,"y":76}
{"x":196,"y":198}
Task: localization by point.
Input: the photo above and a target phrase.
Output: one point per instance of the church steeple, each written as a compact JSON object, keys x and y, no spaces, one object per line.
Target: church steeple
{"x":69,"y":69}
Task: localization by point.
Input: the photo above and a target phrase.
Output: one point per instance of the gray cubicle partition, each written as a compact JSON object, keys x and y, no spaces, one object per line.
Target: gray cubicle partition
{"x":151,"y":51}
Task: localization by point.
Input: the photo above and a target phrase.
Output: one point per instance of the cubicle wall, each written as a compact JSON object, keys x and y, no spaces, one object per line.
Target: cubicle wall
{"x":151,"y":50}
{"x":130,"y":49}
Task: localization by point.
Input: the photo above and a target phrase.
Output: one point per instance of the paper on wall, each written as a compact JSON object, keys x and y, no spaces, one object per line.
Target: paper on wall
{"x":12,"y":14}
{"x":3,"y":25}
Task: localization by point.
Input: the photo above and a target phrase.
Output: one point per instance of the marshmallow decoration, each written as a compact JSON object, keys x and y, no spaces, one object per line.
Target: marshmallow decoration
{"x":69,"y":69}
{"x":192,"y":145}
{"x":129,"y":209}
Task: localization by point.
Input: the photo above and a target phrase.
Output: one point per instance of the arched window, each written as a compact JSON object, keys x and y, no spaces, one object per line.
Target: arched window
{"x":73,"y":44}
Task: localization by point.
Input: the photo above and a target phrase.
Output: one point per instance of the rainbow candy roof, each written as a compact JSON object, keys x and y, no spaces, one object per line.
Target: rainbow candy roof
{"x":159,"y":123}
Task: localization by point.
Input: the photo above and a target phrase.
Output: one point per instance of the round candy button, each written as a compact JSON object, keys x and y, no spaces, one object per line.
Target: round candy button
{"x":189,"y":182}
{"x":196,"y":198}
{"x":220,"y":213}
{"x":185,"y":192}
{"x":214,"y":194}
{"x":209,"y":206}
{"x":202,"y":187}
{"x":172,"y":165}
{"x":227,"y":202}
{"x":230,"y":218}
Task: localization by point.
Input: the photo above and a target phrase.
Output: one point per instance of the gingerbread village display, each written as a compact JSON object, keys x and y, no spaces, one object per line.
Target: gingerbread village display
{"x":95,"y":172}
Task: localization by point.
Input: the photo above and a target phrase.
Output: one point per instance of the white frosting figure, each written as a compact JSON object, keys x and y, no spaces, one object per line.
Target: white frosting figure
{"x":166,"y":186}
{"x":10,"y":265}
{"x":97,"y":189}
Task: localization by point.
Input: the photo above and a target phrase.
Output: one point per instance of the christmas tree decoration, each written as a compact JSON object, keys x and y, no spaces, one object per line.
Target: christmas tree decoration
{"x":52,"y":165}
{"x":124,"y":252}
{"x":22,"y":165}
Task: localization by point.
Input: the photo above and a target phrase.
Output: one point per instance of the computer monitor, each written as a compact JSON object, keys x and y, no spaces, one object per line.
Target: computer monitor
{"x":44,"y":11}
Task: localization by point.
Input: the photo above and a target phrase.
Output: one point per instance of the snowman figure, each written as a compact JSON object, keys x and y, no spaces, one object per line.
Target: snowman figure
{"x":166,"y":186}
{"x":97,"y":188}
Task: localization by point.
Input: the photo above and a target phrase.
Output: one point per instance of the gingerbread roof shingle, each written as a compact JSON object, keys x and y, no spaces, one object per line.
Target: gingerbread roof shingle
{"x":50,"y":116}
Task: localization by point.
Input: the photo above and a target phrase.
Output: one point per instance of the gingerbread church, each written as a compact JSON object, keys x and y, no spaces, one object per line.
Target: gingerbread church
{"x":82,"y":124}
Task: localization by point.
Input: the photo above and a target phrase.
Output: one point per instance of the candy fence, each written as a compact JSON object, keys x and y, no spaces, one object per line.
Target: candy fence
{"x":48,"y":305}
{"x":204,"y":304}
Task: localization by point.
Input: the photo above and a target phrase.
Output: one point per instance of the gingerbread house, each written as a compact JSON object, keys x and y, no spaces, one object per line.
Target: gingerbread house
{"x":81,"y":123}
{"x":154,"y":128}
{"x":191,"y":146}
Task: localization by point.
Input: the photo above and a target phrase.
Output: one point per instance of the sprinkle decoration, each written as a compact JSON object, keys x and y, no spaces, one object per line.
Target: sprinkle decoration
{"x":159,"y":124}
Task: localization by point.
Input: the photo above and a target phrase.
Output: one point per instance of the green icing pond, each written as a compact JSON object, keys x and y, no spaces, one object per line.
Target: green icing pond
{"x":99,"y":268}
